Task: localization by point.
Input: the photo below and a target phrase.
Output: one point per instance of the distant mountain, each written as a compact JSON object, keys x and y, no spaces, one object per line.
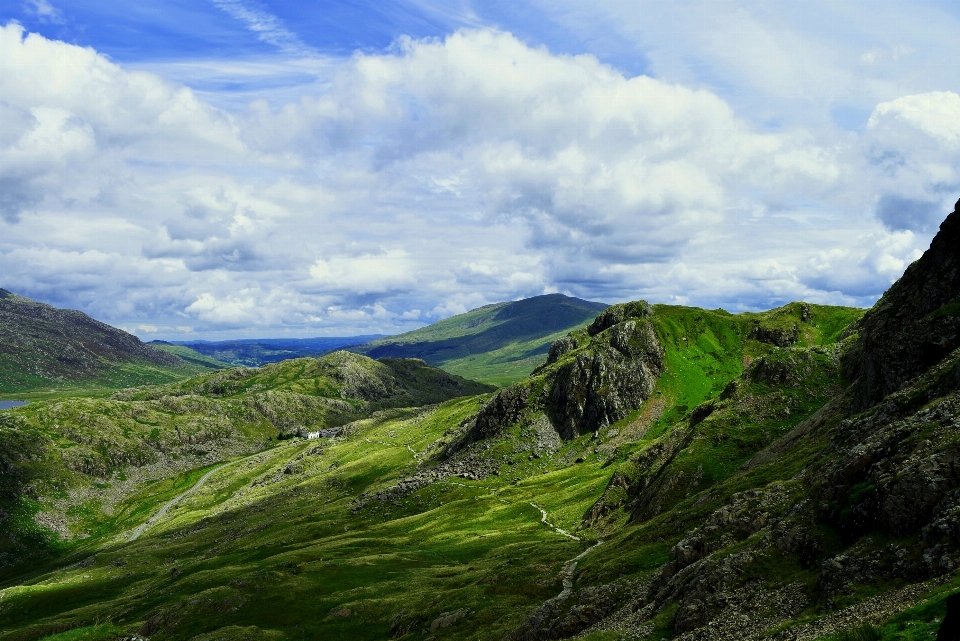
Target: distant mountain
{"x":190,"y":355}
{"x":500,"y":343}
{"x":254,"y":352}
{"x":43,"y":347}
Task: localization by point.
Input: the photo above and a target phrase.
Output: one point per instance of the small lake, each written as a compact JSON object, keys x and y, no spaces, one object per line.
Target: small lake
{"x":5,"y":405}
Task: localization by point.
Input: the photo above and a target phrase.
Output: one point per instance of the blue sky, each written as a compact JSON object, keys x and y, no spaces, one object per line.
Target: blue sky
{"x":169,"y":31}
{"x":235,"y":168}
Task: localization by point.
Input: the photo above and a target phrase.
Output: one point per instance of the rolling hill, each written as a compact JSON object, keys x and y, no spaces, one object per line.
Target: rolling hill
{"x":260,"y":351}
{"x":666,"y":472}
{"x":43,"y":349}
{"x":78,"y":465}
{"x":498,"y":344}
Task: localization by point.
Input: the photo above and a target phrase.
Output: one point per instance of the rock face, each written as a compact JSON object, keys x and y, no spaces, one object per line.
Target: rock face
{"x":916,"y":323}
{"x":599,"y":387}
{"x":775,"y":335}
{"x":591,"y":379}
{"x":872,"y":497}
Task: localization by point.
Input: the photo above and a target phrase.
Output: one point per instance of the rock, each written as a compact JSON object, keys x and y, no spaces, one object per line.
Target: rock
{"x":447,"y":619}
{"x":914,"y":325}
{"x":775,"y":335}
{"x":950,"y":626}
{"x":609,"y":378}
{"x":560,"y":347}
{"x":616,"y":314}
{"x":604,"y":384}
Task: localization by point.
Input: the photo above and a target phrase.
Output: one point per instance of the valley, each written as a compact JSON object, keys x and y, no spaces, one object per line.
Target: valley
{"x":659,"y":472}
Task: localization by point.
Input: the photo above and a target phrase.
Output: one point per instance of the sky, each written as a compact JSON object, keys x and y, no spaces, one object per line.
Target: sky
{"x":216,"y":169}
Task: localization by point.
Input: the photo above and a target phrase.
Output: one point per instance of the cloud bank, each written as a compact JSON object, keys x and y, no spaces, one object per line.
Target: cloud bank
{"x":402,"y":187}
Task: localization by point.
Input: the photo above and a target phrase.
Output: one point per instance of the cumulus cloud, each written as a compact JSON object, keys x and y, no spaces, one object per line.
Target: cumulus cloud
{"x":913,"y":145}
{"x":442,"y":175}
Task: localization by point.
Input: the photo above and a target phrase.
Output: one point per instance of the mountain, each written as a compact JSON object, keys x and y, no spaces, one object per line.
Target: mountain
{"x":42,"y":347}
{"x":497,"y":344}
{"x":665,"y":472}
{"x":260,"y":351}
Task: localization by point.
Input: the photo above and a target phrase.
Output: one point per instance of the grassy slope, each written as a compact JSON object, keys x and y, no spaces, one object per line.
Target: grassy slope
{"x":78,"y":460}
{"x":462,"y":544}
{"x":341,"y":376}
{"x":45,"y":350}
{"x":498,"y":344}
{"x":289,"y":551}
{"x":190,"y":355}
{"x":111,"y":377}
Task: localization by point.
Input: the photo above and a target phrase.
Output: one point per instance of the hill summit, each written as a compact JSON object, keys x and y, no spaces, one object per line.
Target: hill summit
{"x":499,"y":343}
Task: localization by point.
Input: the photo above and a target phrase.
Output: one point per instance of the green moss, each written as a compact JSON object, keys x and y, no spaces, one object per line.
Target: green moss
{"x":106,"y":632}
{"x":950,"y":310}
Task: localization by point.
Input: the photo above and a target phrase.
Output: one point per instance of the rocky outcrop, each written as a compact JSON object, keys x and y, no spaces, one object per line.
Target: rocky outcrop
{"x":616,"y":314}
{"x":559,"y":348}
{"x":778,"y":336}
{"x":503,"y":409}
{"x":600,"y":386}
{"x":584,"y":387}
{"x":914,"y":326}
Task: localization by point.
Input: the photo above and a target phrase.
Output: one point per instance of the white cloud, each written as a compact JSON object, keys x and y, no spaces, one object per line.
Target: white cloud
{"x":443,"y":175}
{"x":267,"y":27}
{"x":367,"y":273}
{"x":913,"y":145}
{"x":936,"y":114}
{"x":45,"y":11}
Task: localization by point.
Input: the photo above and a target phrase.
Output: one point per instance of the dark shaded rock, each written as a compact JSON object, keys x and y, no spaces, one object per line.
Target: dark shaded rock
{"x":603,"y":385}
{"x":780,"y":368}
{"x":775,"y":335}
{"x":560,"y":347}
{"x":950,"y":627}
{"x":503,"y":409}
{"x":914,"y":325}
{"x":565,"y":616}
{"x":701,"y":412}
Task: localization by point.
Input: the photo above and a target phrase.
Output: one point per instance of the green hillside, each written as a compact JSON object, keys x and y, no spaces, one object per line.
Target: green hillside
{"x":84,"y":467}
{"x":44,"y":349}
{"x":498,"y":344}
{"x":190,"y":355}
{"x":408,"y":524}
{"x":255,"y":352}
{"x":665,"y":472}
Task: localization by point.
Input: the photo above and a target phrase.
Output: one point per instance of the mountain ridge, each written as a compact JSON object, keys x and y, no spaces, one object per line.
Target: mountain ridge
{"x":43,"y":347}
{"x":479,"y":343}
{"x":254,"y":352}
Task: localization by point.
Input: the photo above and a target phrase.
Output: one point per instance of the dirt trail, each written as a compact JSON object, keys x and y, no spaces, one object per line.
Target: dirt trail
{"x":140,"y":529}
{"x":553,"y":527}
